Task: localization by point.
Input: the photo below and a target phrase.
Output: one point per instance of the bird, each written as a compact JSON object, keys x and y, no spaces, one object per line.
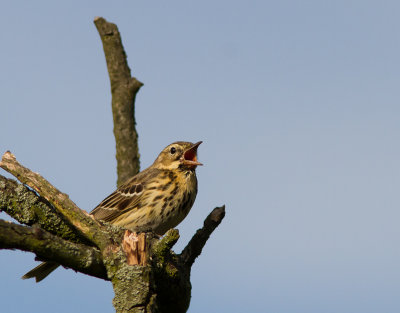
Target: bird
{"x":156,"y":199}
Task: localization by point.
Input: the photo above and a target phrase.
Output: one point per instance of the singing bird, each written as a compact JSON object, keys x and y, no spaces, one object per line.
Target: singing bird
{"x":157,"y":199}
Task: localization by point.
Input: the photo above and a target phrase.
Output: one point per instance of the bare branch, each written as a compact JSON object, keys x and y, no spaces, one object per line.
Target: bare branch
{"x":123,"y":89}
{"x":87,"y":226}
{"x":163,"y":247}
{"x":28,"y":208}
{"x":146,"y":274}
{"x":196,"y":244}
{"x":46,"y":246}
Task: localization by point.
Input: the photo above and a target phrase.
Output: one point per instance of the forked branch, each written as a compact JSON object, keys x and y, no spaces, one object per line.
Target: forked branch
{"x":27,"y":207}
{"x":161,"y":285}
{"x":79,"y":219}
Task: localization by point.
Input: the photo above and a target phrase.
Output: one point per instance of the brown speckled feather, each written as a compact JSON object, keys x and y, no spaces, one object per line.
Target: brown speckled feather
{"x":126,"y":197}
{"x":157,"y":199}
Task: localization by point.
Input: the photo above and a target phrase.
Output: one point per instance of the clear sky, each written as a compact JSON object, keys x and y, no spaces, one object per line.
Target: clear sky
{"x":298,"y":105}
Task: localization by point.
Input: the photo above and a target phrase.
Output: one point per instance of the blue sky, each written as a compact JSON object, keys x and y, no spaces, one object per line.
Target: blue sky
{"x":297,"y":103}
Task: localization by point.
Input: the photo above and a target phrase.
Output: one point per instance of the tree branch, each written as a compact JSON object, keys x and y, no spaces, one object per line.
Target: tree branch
{"x":196,"y":244}
{"x":163,"y":247}
{"x":81,"y":220}
{"x":123,"y":89}
{"x":25,"y":206}
{"x":46,"y":246}
{"x":160,"y":285}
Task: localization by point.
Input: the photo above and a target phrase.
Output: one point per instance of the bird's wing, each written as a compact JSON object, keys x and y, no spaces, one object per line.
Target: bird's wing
{"x":127,"y":197}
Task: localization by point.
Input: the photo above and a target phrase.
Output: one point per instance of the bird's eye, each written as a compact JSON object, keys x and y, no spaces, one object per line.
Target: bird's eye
{"x":173,"y":150}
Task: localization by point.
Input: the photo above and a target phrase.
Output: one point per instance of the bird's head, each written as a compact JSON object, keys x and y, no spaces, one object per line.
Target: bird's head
{"x":180,"y":154}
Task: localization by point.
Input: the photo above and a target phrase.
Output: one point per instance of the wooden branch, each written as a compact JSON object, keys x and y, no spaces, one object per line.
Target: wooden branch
{"x":195,"y":246}
{"x":28,"y":208}
{"x":46,"y":246}
{"x":146,"y":274}
{"x":163,"y":247}
{"x":79,"y":219}
{"x":123,"y":89}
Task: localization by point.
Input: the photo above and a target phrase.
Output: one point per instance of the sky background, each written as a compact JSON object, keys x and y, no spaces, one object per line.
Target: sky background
{"x":297,"y":103}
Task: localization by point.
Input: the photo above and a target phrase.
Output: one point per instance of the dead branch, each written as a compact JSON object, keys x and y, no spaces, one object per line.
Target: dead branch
{"x":79,"y":219}
{"x":123,"y":90}
{"x":195,"y":246}
{"x":146,"y":274}
{"x":28,"y":208}
{"x":46,"y":246}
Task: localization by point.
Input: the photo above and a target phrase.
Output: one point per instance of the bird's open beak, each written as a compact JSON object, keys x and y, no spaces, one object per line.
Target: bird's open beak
{"x":190,"y":156}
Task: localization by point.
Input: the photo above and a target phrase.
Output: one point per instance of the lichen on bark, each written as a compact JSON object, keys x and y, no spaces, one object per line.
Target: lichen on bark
{"x":63,"y":233}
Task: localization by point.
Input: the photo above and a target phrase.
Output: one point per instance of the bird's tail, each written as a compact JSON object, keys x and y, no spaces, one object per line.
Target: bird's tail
{"x":41,"y":271}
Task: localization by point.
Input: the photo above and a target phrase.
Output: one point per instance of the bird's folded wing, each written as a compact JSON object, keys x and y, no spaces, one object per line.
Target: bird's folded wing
{"x":127,"y":197}
{"x":115,"y":205}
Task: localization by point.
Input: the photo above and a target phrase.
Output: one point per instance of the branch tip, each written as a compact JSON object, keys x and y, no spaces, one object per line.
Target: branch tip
{"x":217,"y":214}
{"x":196,"y":244}
{"x":124,"y":88}
{"x":61,"y":202}
{"x":169,"y":239}
{"x":7,"y":156}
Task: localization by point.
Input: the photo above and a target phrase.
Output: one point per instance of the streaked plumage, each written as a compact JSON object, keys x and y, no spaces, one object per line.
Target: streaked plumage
{"x":156,"y":199}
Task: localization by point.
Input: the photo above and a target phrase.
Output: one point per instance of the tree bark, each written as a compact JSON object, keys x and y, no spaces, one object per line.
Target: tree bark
{"x":147,"y":276}
{"x":87,"y":260}
{"x":123,"y":90}
{"x":161,"y":285}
